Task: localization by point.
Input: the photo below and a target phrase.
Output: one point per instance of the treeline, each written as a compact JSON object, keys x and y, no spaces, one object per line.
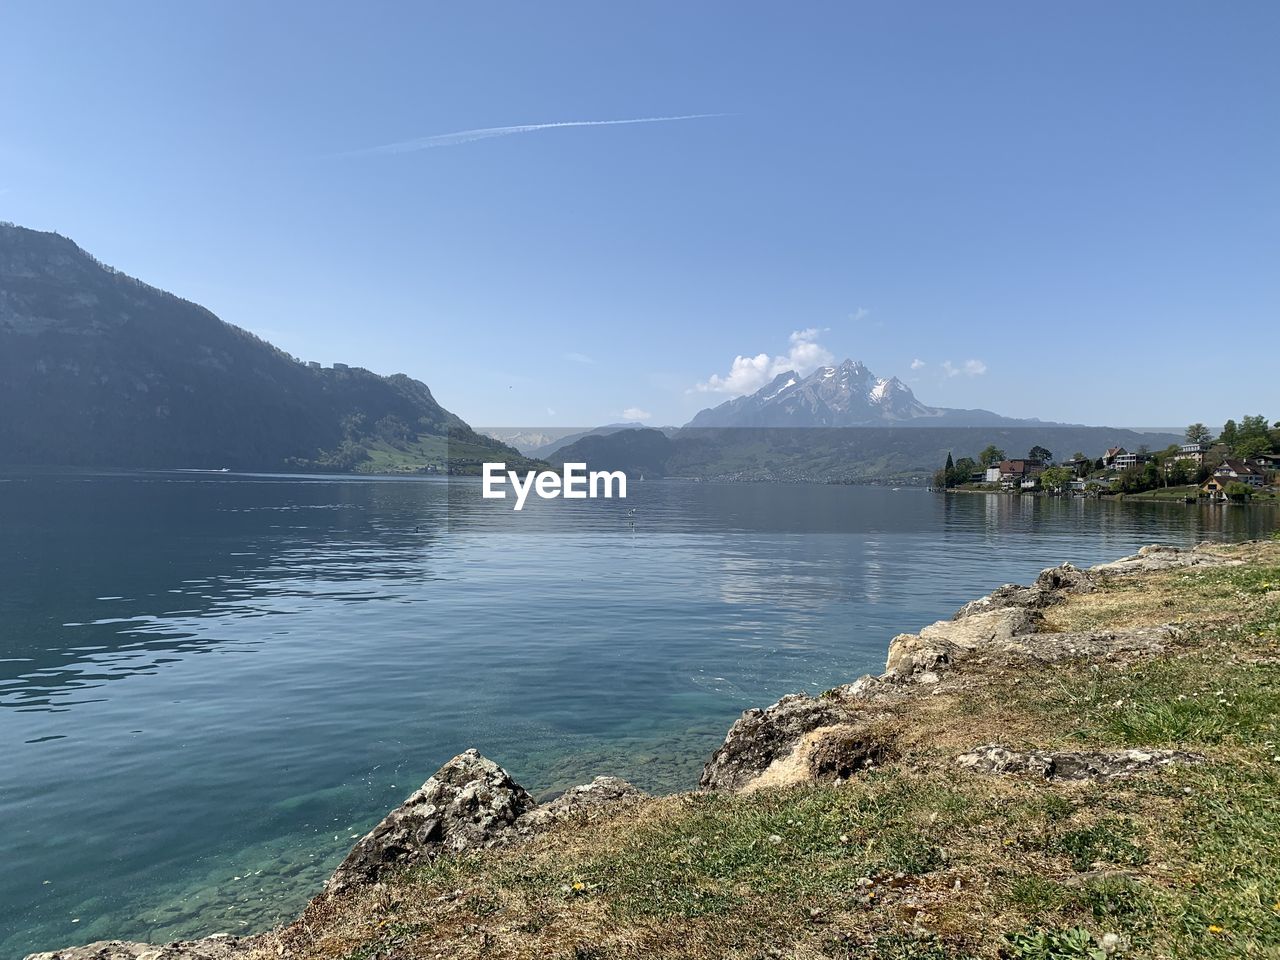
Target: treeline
{"x":957,"y":472}
{"x":1252,"y":437}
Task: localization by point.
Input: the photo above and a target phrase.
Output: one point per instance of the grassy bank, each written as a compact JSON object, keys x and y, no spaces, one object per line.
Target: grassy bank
{"x":1192,"y":490}
{"x":1177,"y":494}
{"x":1166,"y":493}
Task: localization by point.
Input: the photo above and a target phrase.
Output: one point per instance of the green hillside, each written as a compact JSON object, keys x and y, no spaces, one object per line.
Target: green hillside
{"x":99,"y":369}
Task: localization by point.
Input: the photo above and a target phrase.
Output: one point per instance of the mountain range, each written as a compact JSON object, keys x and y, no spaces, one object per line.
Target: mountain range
{"x":100,"y":369}
{"x":900,"y":454}
{"x":840,"y":423}
{"x":848,"y":395}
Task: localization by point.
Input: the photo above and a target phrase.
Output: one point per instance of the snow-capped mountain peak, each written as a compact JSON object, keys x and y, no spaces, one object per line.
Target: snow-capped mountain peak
{"x":847,"y":394}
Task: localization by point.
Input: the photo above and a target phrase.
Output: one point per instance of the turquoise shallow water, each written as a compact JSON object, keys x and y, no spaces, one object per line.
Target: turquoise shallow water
{"x":209,"y":685}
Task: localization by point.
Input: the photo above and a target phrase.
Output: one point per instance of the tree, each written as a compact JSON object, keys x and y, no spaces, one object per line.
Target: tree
{"x":1198,"y":433}
{"x":1055,"y":478}
{"x":1252,"y":446}
{"x":1254,"y":437}
{"x":1179,"y":472}
{"x":1251,"y":427}
{"x":354,"y":426}
{"x":1164,"y":461}
{"x":1228,"y":434}
{"x":948,"y":472}
{"x":1129,"y":480}
{"x":963,"y":470}
{"x":392,"y":429}
{"x":990,"y":454}
{"x":1039,"y":453}
{"x":1238,"y":492}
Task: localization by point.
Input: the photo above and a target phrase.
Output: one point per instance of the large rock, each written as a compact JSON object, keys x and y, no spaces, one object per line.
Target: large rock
{"x":838,"y":753}
{"x":470,"y":802}
{"x":1154,"y":558}
{"x":1011,"y":634}
{"x":1072,"y":764}
{"x":759,"y":737}
{"x":220,"y":947}
{"x":865,"y":688}
{"x":1066,"y":578}
{"x":1051,"y":586}
{"x":942,"y":644}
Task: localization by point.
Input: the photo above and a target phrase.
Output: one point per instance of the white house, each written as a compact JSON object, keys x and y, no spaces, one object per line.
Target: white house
{"x":1240,"y":472}
{"x":1125,"y":459}
{"x":1193,"y":451}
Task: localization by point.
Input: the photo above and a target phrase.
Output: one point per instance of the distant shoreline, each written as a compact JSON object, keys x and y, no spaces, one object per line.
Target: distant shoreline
{"x":1264,"y":499}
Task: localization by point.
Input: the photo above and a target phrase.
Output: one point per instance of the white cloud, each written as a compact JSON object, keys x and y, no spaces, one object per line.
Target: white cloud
{"x":550,"y":412}
{"x":860,"y":314}
{"x":749,"y":374}
{"x":918,"y":364}
{"x":484,"y":133}
{"x":635,"y":413}
{"x":970,"y":368}
{"x":578,"y":357}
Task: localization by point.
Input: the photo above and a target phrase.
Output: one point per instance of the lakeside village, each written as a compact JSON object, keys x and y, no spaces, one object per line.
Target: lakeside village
{"x":1240,"y":464}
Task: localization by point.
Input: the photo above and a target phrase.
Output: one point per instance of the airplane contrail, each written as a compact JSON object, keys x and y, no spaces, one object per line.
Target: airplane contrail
{"x":484,"y":133}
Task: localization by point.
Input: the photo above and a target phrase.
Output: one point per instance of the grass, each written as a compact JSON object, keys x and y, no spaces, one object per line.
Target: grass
{"x":433,"y":454}
{"x":1166,"y":493}
{"x":1263,"y":495}
{"x":918,"y":859}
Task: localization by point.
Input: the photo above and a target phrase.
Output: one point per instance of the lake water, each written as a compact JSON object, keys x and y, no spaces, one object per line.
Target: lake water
{"x":211,"y":684}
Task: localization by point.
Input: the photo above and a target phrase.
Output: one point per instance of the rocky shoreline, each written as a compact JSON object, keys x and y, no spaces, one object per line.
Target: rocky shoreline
{"x":471,"y":803}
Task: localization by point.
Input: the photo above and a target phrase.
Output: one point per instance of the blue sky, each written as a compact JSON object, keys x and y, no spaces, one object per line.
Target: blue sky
{"x":1074,"y":205}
